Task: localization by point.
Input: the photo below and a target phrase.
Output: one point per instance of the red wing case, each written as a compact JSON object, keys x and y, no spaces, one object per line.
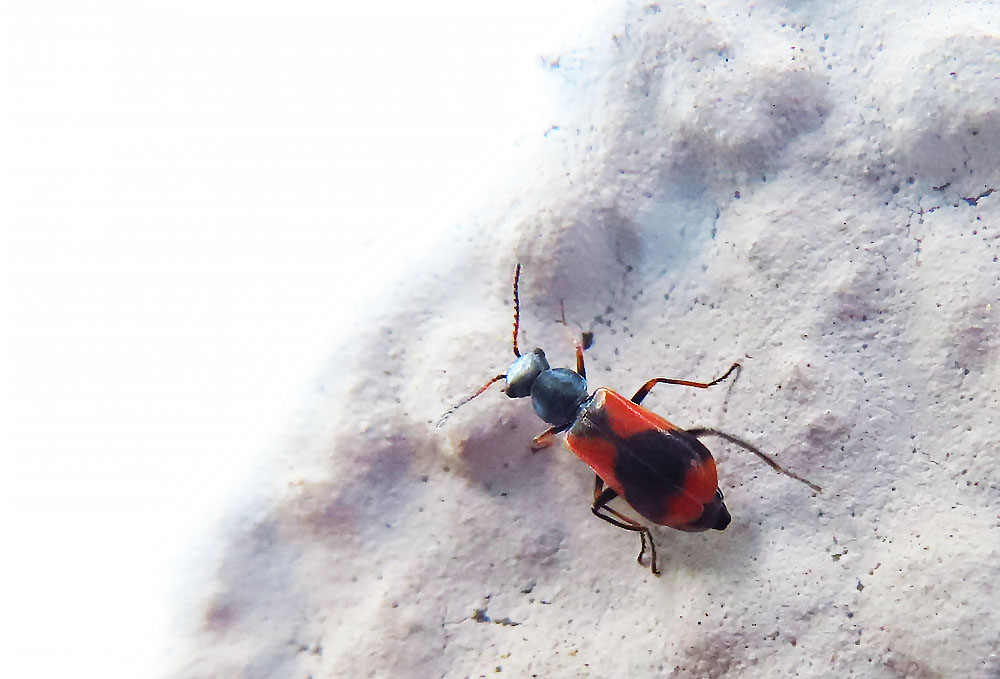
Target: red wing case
{"x":666,"y":474}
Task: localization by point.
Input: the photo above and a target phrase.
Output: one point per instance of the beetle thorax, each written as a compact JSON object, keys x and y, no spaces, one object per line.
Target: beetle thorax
{"x":557,"y":394}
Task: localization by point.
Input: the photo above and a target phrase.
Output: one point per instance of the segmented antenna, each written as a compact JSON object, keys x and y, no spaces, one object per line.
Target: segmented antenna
{"x":466,"y":400}
{"x":517,"y":308}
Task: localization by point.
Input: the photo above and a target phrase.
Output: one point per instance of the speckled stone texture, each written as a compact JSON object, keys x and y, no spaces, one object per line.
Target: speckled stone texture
{"x":805,"y":187}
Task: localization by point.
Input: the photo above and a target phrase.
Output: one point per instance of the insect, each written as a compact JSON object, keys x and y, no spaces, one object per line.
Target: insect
{"x":664,"y":472}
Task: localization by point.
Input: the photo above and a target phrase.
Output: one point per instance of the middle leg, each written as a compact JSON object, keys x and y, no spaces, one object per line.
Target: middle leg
{"x":602,"y":496}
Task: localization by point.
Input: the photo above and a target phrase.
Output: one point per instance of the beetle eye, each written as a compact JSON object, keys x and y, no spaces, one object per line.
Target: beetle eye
{"x":523,"y":372}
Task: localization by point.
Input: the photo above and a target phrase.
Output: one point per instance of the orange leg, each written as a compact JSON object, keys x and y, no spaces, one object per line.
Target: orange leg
{"x":580,"y":344}
{"x":546,"y":438}
{"x":648,"y":386}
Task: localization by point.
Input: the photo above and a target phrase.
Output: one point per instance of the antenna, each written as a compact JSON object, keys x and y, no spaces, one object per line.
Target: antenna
{"x":517,"y":308}
{"x":464,"y":401}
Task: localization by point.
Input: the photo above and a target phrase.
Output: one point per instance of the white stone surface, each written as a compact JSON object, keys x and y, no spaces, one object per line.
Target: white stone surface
{"x":804,"y":187}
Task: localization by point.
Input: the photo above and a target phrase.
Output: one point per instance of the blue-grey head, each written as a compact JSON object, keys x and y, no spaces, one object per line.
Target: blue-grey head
{"x":522,"y":373}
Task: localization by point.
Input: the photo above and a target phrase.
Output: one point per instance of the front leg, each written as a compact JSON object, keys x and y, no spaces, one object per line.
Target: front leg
{"x":547,"y":437}
{"x":645,"y":389}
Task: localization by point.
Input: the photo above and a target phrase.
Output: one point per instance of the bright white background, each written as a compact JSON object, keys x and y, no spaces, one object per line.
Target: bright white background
{"x":193,"y":198}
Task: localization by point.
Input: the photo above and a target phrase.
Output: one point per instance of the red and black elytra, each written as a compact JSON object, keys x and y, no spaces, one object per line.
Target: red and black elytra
{"x":664,"y":472}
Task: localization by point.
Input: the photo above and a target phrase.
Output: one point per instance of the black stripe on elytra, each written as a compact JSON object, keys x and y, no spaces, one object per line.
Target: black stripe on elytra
{"x":652,"y":466}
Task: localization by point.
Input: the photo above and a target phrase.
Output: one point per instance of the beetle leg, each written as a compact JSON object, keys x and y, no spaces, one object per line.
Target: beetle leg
{"x":580,"y":344}
{"x":544,"y":440}
{"x":698,"y":433}
{"x":602,"y":496}
{"x":648,"y":386}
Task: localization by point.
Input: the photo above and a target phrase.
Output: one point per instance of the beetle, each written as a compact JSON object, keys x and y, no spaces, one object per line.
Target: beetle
{"x":663,"y":471}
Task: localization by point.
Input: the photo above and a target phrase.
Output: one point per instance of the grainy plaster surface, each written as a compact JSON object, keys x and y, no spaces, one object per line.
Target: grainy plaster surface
{"x":804,"y":187}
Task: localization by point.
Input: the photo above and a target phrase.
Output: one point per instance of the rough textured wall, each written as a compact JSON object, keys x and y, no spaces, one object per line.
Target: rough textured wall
{"x":804,"y":187}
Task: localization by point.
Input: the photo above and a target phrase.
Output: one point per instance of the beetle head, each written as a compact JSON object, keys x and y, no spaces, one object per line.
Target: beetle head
{"x":523,"y":372}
